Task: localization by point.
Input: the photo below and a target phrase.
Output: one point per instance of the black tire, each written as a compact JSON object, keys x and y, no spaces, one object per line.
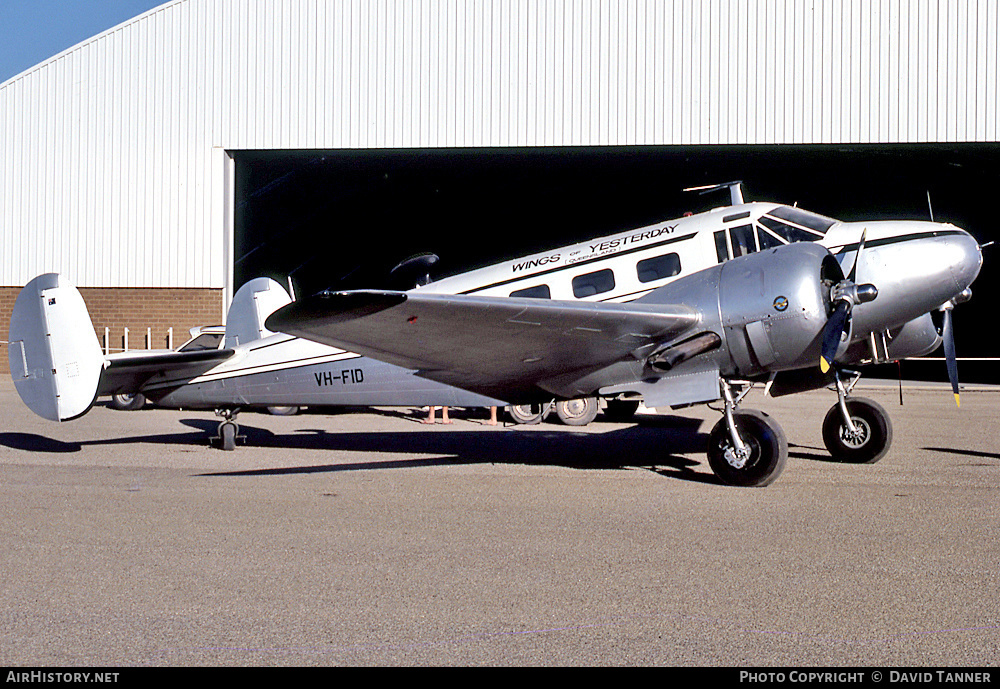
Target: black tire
{"x":621,"y":410}
{"x":766,"y":442}
{"x":528,"y":413}
{"x":227,"y":435}
{"x":873,"y":424}
{"x":282,"y":411}
{"x":577,"y":412}
{"x":128,"y":402}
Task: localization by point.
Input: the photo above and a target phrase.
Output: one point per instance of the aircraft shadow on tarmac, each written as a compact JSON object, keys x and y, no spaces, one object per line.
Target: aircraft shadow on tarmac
{"x":967,"y":453}
{"x":657,"y":444}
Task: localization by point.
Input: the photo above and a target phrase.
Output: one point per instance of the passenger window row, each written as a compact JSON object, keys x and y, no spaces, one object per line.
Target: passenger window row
{"x":601,"y":281}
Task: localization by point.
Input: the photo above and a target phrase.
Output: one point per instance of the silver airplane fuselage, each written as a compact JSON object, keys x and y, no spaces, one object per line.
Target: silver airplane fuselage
{"x":917,"y":267}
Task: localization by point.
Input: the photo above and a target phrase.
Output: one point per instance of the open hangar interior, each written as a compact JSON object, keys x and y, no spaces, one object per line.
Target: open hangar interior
{"x":162,"y":163}
{"x":344,"y":219}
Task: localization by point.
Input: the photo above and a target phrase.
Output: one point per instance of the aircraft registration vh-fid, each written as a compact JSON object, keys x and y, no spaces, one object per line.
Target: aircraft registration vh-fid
{"x":688,"y":311}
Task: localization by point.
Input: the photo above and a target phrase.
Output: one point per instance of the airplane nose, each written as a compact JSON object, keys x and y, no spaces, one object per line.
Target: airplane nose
{"x":964,"y":257}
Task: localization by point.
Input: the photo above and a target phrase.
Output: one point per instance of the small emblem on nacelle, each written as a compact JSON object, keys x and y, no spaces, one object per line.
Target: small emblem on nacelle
{"x":780,"y":303}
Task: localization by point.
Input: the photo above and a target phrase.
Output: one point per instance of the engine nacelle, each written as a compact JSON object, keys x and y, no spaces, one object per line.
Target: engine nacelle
{"x":917,"y":337}
{"x":769,"y":308}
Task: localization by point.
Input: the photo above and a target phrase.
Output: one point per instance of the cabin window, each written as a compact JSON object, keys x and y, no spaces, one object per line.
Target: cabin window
{"x":658,"y":268}
{"x":536,"y":292}
{"x":590,"y":284}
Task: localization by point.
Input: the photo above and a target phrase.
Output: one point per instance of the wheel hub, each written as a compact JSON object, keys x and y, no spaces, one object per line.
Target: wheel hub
{"x":737,"y":459}
{"x":860,"y":435}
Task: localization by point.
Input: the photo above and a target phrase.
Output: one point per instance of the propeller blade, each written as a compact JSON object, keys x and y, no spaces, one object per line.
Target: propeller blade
{"x":857,"y":257}
{"x":831,"y":334}
{"x":948,"y":333}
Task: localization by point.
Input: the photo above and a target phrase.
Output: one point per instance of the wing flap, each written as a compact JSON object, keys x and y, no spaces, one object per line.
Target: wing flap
{"x":484,"y":344}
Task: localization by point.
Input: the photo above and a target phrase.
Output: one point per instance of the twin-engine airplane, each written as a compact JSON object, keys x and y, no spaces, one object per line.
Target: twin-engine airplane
{"x":682,"y":312}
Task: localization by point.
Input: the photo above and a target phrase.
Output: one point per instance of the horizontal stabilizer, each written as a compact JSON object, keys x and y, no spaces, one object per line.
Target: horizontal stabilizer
{"x":128,"y":372}
{"x":55,"y":358}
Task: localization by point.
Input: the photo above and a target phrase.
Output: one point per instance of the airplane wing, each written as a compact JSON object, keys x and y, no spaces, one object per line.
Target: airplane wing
{"x":499,"y":346}
{"x":128,"y":372}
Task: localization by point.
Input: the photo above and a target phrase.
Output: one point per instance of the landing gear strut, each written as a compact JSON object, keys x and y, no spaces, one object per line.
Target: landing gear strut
{"x":746,"y":448}
{"x":856,"y":429}
{"x":228,"y":428}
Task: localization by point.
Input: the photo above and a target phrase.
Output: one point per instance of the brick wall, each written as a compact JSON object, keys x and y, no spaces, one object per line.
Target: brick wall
{"x":137,"y":309}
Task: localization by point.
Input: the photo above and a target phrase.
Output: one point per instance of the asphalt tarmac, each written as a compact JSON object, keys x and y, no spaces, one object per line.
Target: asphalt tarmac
{"x":366,"y":538}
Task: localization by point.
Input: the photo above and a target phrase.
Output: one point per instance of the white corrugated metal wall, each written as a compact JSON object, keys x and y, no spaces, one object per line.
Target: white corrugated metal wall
{"x":112,"y":163}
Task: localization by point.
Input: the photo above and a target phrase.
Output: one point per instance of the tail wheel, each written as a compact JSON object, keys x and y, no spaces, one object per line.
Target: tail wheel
{"x":766,"y":450}
{"x":578,"y":412}
{"x":872,"y":434}
{"x":227,"y":435}
{"x":528,"y":413}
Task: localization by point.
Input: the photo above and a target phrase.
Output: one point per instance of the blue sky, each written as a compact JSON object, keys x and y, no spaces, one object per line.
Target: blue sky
{"x":32,"y":31}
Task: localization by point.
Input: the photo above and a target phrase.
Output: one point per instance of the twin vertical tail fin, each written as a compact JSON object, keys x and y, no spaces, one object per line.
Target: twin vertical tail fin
{"x":252,"y":304}
{"x":55,"y":357}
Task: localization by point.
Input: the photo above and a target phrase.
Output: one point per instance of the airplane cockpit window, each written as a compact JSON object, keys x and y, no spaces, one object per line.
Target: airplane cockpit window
{"x":658,"y":267}
{"x":766,"y":240}
{"x":807,"y":219}
{"x":795,"y":224}
{"x":590,"y":284}
{"x":536,"y":292}
{"x":742,"y":238}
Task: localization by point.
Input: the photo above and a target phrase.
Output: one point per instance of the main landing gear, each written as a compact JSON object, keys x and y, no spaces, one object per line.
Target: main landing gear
{"x":856,"y":429}
{"x":746,"y":448}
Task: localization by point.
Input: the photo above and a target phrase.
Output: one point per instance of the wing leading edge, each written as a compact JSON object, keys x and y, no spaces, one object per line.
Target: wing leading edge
{"x":507,"y":348}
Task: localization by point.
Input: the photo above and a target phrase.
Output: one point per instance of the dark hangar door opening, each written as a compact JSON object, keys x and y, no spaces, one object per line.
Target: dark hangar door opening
{"x":345,"y":218}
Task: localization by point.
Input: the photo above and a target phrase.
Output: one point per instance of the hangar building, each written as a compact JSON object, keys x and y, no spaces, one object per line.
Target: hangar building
{"x":164,"y":162}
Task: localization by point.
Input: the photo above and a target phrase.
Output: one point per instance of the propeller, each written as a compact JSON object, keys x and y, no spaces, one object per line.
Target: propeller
{"x":948,"y":333}
{"x":846,"y":294}
{"x":948,"y":336}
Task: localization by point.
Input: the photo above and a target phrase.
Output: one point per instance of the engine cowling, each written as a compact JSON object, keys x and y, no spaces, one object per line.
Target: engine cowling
{"x":768,"y":308}
{"x":774,"y":306}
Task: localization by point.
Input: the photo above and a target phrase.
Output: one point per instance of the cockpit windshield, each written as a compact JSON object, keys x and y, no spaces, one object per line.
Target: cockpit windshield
{"x":778,"y":226}
{"x":795,"y":224}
